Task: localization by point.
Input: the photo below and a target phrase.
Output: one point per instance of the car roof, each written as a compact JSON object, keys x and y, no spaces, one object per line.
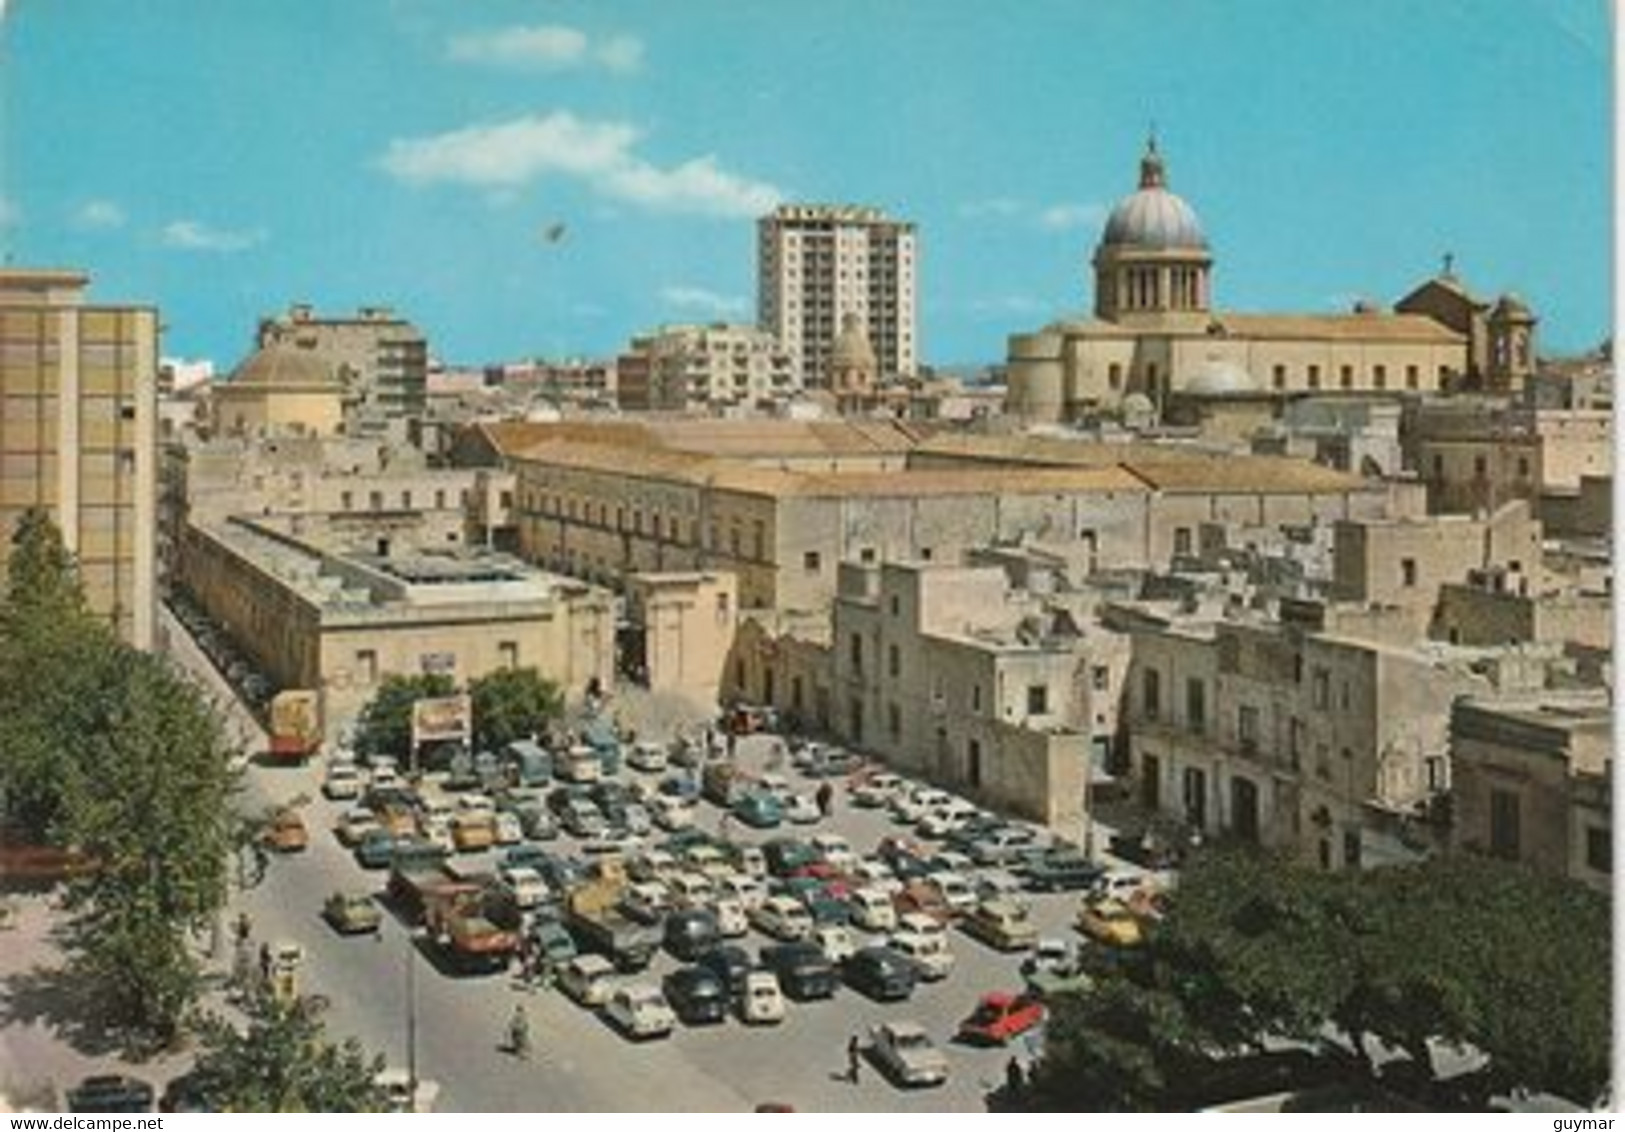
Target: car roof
{"x":904,"y":1028}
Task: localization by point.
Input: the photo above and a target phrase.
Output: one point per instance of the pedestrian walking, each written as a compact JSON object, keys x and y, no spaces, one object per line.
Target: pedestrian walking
{"x":245,"y":927}
{"x":854,"y":1059}
{"x":519,"y":1033}
{"x":1014,"y":1078}
{"x":826,"y":799}
{"x":265,"y":962}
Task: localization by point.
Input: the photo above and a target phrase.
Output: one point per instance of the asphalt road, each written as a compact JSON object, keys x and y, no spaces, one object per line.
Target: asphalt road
{"x":579,"y":1063}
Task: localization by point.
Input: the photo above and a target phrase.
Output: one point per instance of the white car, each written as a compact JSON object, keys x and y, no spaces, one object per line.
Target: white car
{"x":653,"y":864}
{"x":876,"y":791}
{"x":671,"y":814}
{"x":928,"y":952}
{"x":957,"y":892}
{"x":836,"y":942}
{"x":475,"y":804}
{"x":782,"y":917}
{"x":588,"y":979}
{"x":871,"y":873}
{"x":732,"y":921}
{"x":691,"y":889}
{"x":437,"y":832}
{"x":836,"y":851}
{"x":749,"y":890}
{"x":905,"y":1053}
{"x":647,"y":901}
{"x":872,"y":909}
{"x":939,"y":823}
{"x":640,"y":1011}
{"x":647,"y":756}
{"x":524,"y":884}
{"x":776,"y":785}
{"x":343,"y":782}
{"x":801,"y":810}
{"x":921,"y":924}
{"x":913,"y":806}
{"x":384,"y":776}
{"x":507,"y":829}
{"x":760,"y":1000}
{"x":354,"y":824}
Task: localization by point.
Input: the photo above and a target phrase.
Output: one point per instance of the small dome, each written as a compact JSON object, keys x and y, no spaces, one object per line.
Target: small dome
{"x":1510,"y":308}
{"x":277,"y":366}
{"x":1153,"y":218}
{"x":1218,"y":378}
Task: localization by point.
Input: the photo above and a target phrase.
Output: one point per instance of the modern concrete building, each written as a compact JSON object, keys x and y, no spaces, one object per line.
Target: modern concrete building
{"x":318,"y":617}
{"x":382,"y":361}
{"x":1155,"y":331}
{"x":710,"y":370}
{"x":818,"y":263}
{"x":1532,"y":780}
{"x":78,"y":434}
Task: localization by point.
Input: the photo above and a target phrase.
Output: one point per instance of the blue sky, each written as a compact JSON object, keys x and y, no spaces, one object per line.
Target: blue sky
{"x":223,"y":159}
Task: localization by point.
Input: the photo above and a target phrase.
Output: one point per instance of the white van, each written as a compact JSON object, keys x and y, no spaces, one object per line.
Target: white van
{"x":580,"y":764}
{"x":872,"y":909}
{"x":760,"y":1000}
{"x":928,"y":952}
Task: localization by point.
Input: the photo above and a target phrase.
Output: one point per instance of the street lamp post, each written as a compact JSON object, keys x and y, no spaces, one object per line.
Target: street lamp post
{"x":411,"y":1023}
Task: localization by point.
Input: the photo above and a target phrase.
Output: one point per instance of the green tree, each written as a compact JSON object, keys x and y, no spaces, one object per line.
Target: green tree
{"x":149,"y":801}
{"x":512,"y":703}
{"x":385,"y":726}
{"x":283,"y":1061}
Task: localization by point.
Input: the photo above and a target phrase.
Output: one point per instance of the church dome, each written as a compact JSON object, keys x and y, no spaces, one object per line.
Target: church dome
{"x":276,"y":367}
{"x":1218,"y":378}
{"x":1153,"y":218}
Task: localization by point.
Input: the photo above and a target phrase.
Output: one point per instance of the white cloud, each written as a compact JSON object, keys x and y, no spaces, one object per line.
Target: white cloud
{"x":703,"y":300}
{"x":99,"y":214}
{"x":546,"y":47}
{"x":1062,"y":216}
{"x":196,"y":236}
{"x":993,"y":206}
{"x":516,"y":153}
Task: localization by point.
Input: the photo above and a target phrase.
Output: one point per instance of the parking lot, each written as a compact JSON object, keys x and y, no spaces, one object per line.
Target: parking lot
{"x":801,"y":1061}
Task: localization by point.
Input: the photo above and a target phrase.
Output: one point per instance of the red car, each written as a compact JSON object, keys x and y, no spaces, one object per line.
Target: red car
{"x":1001,"y":1016}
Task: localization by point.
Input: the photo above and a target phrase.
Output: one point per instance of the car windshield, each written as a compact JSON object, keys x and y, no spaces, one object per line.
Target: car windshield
{"x":907,"y":1040}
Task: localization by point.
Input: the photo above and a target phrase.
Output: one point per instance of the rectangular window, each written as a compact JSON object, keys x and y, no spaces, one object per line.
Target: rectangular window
{"x":1407,"y":572}
{"x":811,"y":562}
{"x":1314,"y":377}
{"x":894,"y":661}
{"x":1599,"y":849}
{"x":857,"y":653}
{"x":866,"y":555}
{"x":508,"y":654}
{"x":1196,"y":704}
{"x":346,"y":500}
{"x":1114,"y":376}
{"x":1481,"y":467}
{"x":366,"y":665}
{"x":1345,"y":377}
{"x":1379,"y":377}
{"x":1280,"y":377}
{"x":1412,"y":377}
{"x":1294,"y":744}
{"x":1505,"y":836}
{"x":976,"y":697}
{"x":1182,"y":541}
{"x":895,"y":604}
{"x":1100,"y":678}
{"x":376,"y":499}
{"x":1038,"y":699}
{"x":1322,"y":697}
{"x":1351,"y":848}
{"x":1151,"y":693}
{"x":1247,"y":729}
{"x":894,"y":721}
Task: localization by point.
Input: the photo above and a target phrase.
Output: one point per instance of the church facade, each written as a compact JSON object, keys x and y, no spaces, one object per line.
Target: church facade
{"x":1154,"y":332}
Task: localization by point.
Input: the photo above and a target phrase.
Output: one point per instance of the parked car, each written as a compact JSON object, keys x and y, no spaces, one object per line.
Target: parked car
{"x":729,"y":962}
{"x":799,"y":809}
{"x":1001,"y":1016}
{"x":671,"y":813}
{"x":1054,"y":967}
{"x":698,"y":995}
{"x":957,"y":892}
{"x":835,"y":941}
{"x":875,"y":791}
{"x":354,"y":824}
{"x":1002,"y":845}
{"x":589,"y":979}
{"x":783,"y":918}
{"x":1110,"y":922}
{"x":537,"y":822}
{"x":647,"y":902}
{"x":691,"y":932}
{"x":343,"y":782}
{"x":648,"y":756}
{"x":1060,"y":870}
{"x":376,"y":848}
{"x":640,"y":1011}
{"x":748,"y":890}
{"x":352,"y":913}
{"x":1002,"y":924}
{"x":759,"y":811}
{"x":524,"y":884}
{"x":286,"y":832}
{"x":922,"y":898}
{"x":929,"y":952}
{"x":881,"y":973}
{"x":905,"y":1053}
{"x":803,"y":970}
{"x":110,"y":1092}
{"x":760,"y":999}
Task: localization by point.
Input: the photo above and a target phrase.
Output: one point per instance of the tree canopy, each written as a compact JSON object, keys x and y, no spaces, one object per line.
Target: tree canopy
{"x":385,"y":726}
{"x":282,"y":1060}
{"x":512,"y":703}
{"x":1258,"y":953}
